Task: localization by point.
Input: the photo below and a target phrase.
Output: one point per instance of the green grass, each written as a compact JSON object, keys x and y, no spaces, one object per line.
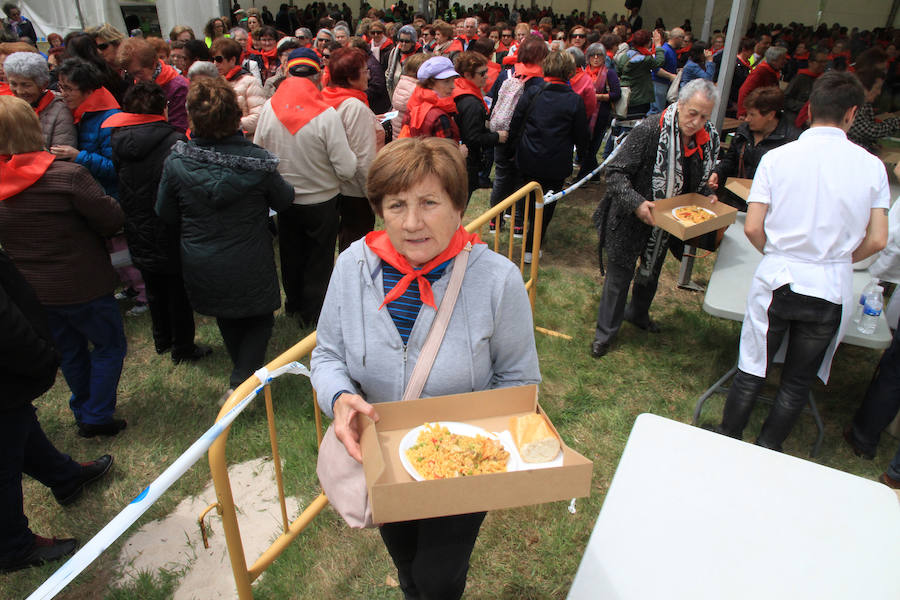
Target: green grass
{"x":530,"y":552}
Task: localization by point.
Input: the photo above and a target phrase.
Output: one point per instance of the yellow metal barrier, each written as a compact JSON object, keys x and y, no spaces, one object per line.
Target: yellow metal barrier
{"x":244,"y":576}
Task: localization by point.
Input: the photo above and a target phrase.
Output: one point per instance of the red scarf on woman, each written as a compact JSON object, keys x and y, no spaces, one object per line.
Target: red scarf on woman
{"x":421,"y":101}
{"x":267,"y":55}
{"x":124,"y":119}
{"x":296,"y":102}
{"x":579,"y":75}
{"x":646,"y":51}
{"x":233,"y":71}
{"x":98,"y":100}
{"x":335,"y":96}
{"x":379,"y":243}
{"x":528,"y":71}
{"x":465,"y":87}
{"x":4,"y":89}
{"x":19,"y":172}
{"x":166,"y":74}
{"x":556,"y":80}
{"x":808,"y":73}
{"x":492,"y":74}
{"x":45,"y":101}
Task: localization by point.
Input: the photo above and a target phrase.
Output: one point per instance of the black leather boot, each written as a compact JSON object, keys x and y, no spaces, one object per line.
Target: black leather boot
{"x":780,"y":421}
{"x":741,"y":399}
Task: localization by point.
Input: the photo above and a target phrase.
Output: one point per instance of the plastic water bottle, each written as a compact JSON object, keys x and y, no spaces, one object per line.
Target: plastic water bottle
{"x":871,"y":311}
{"x":857,"y":314}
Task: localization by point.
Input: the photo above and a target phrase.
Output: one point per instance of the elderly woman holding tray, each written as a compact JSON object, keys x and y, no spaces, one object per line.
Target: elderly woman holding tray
{"x":664,"y":156}
{"x":375,"y":330}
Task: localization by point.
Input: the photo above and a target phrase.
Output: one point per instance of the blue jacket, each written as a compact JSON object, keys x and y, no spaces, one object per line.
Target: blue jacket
{"x":95,"y":150}
{"x":670,"y":65}
{"x":694,"y":71}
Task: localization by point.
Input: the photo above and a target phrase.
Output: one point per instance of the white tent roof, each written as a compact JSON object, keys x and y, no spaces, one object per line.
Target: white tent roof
{"x":62,"y":16}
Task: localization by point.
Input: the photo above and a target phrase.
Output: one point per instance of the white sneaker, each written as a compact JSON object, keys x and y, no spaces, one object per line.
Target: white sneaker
{"x":528,"y":256}
{"x":138,"y":309}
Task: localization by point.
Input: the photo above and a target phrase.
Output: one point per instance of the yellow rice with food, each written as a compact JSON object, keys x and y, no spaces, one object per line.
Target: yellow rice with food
{"x":439,"y":454}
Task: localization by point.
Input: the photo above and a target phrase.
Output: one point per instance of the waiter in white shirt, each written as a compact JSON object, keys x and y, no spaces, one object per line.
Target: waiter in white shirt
{"x":816,"y":206}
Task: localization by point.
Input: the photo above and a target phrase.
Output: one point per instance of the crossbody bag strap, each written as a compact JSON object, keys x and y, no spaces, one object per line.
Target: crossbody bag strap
{"x":438,"y":327}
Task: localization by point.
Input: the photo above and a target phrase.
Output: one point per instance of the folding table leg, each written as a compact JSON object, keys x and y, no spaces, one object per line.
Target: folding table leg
{"x":716,"y":387}
{"x":819,"y":425}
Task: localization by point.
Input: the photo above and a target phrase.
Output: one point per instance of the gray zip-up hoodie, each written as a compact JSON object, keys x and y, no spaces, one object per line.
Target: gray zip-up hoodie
{"x":489,"y":341}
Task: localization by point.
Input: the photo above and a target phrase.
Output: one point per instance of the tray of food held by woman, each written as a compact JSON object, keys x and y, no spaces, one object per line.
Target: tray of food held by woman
{"x":689,"y":215}
{"x":466,"y":453}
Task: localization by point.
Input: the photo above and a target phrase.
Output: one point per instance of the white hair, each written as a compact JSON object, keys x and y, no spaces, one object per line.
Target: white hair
{"x":698,"y":86}
{"x":202,"y":68}
{"x":29,"y":65}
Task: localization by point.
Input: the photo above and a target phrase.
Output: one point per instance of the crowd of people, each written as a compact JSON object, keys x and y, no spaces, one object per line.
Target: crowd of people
{"x":180,"y":149}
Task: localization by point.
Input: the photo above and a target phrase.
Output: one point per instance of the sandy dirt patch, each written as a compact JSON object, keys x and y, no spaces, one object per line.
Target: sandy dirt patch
{"x":175,"y":544}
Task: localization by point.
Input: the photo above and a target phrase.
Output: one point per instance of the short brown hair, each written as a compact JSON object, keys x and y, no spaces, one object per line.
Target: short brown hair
{"x":469,"y":62}
{"x":20,"y":129}
{"x":13,"y":47}
{"x":107,"y":33}
{"x":405,"y":162}
{"x":445,"y":28}
{"x":160,"y":46}
{"x":227,"y":47}
{"x":559,"y":64}
{"x":178,"y":30}
{"x":213,"y":108}
{"x":345,"y":64}
{"x":533,"y":50}
{"x":137,"y":49}
{"x":765,"y":99}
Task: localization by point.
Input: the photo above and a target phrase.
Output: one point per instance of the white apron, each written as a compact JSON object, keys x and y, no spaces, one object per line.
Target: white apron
{"x":773,"y":272}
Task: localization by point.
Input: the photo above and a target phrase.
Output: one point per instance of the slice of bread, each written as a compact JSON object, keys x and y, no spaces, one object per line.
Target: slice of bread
{"x":534,"y":439}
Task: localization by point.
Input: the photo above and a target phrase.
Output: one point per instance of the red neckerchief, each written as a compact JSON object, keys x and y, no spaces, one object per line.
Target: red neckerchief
{"x":743,"y":61}
{"x":335,"y":96}
{"x":683,"y":50}
{"x":326,"y":79}
{"x":166,"y":74}
{"x":421,"y":101}
{"x":233,"y":71}
{"x":808,"y":73}
{"x":268,"y":56}
{"x":501,"y":47}
{"x":99,"y":99}
{"x":406,"y":55}
{"x":297,"y":102}
{"x":556,"y":80}
{"x":493,"y":72}
{"x":387,"y":42}
{"x":464,"y":87}
{"x":700,"y":138}
{"x":4,"y":89}
{"x":528,"y":71}
{"x":124,"y":119}
{"x":611,"y":54}
{"x":845,"y":54}
{"x":20,"y":171}
{"x":646,"y":51}
{"x":379,"y":243}
{"x":455,"y":46}
{"x":45,"y":101}
{"x":802,"y":56}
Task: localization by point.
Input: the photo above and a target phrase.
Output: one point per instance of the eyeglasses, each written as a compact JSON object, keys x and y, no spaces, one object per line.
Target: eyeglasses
{"x":481,"y":72}
{"x":405,"y":41}
{"x":509,"y":35}
{"x":219,"y":59}
{"x":102,"y":47}
{"x":579,"y":35}
{"x":376,"y":32}
{"x":326,"y":56}
{"x":322,"y":40}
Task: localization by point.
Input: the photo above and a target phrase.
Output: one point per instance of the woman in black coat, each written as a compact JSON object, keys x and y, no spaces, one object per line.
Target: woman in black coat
{"x":472,"y":113}
{"x":548,"y":121}
{"x":141,"y":141}
{"x":217,"y":190}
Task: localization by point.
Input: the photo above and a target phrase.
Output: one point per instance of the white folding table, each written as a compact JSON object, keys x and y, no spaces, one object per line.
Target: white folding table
{"x":726,"y":297}
{"x":693,"y":515}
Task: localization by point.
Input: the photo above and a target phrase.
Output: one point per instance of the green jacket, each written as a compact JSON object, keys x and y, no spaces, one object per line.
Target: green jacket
{"x":634,"y":71}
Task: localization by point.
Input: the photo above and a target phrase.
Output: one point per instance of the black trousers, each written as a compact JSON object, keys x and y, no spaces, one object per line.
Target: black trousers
{"x":812,"y":323}
{"x":25,"y":449}
{"x":170,"y":312}
{"x":307,"y":235}
{"x":246,"y":340}
{"x":432,"y":555}
{"x":882,"y":400}
{"x":613,"y":310}
{"x":357,"y":219}
{"x":548,"y":212}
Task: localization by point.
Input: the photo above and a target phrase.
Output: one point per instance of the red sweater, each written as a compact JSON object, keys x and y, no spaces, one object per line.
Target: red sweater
{"x":762,"y":76}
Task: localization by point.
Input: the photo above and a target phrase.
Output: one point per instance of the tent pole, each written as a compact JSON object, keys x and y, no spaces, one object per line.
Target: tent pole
{"x":707,"y":20}
{"x":736,"y":27}
{"x":80,"y":14}
{"x":893,"y":14}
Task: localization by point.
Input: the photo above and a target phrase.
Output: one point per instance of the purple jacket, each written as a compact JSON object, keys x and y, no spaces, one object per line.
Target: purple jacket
{"x":176,"y":92}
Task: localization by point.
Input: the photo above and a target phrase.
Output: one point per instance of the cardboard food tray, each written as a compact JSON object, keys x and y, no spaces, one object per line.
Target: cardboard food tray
{"x":396,"y":496}
{"x":662,"y":213}
{"x":739,"y":187}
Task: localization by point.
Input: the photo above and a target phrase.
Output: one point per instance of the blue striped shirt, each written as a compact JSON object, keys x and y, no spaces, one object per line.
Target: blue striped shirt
{"x":405,"y":309}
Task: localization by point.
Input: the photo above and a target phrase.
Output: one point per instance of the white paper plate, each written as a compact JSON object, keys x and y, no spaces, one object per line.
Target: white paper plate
{"x":706,"y":210}
{"x":410,"y":438}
